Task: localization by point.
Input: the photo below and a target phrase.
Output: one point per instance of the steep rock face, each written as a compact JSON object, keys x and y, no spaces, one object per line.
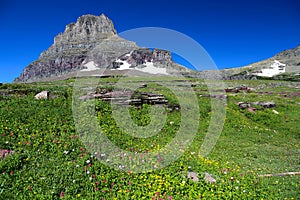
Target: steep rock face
{"x":92,"y":43}
{"x":110,"y":49}
{"x":142,"y":56}
{"x":75,"y":45}
{"x":81,"y":36}
{"x":155,"y":61}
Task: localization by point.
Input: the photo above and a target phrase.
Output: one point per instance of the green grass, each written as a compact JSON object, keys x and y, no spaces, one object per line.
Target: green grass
{"x":51,"y":162}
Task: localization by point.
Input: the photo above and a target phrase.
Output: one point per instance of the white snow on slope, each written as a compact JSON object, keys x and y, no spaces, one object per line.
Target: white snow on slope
{"x":91,"y":66}
{"x":275,"y":69}
{"x":124,"y":66}
{"x":150,"y":68}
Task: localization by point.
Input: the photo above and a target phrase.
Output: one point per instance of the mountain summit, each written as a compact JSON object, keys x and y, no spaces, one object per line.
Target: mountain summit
{"x":92,"y":43}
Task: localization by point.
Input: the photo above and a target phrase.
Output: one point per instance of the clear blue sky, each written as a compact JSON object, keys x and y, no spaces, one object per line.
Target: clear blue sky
{"x":234,"y":32}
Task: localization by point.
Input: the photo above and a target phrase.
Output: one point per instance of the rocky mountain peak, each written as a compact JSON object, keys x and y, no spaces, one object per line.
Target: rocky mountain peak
{"x":87,"y":27}
{"x":83,"y":34}
{"x":73,"y":46}
{"x":92,"y":39}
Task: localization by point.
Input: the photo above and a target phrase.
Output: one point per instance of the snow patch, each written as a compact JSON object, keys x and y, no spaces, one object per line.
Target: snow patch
{"x":150,"y":68}
{"x":125,"y":65}
{"x":129,"y":54}
{"x":275,"y":69}
{"x":91,"y":66}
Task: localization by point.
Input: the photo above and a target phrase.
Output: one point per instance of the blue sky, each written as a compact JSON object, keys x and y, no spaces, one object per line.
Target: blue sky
{"x":233,"y":32}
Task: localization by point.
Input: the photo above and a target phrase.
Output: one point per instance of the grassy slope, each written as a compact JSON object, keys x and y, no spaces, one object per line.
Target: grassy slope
{"x":41,"y":131}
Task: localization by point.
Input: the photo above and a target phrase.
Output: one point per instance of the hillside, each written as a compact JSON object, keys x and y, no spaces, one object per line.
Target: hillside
{"x":285,"y":65}
{"x":43,"y":156}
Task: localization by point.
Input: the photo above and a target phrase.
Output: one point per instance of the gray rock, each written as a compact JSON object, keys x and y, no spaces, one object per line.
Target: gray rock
{"x":5,"y":152}
{"x":41,"y":95}
{"x":77,"y":44}
{"x":193,"y":176}
{"x":208,"y":178}
{"x":244,"y":105}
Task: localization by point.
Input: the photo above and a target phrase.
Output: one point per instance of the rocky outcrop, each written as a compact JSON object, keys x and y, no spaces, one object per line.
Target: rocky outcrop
{"x":143,"y":56}
{"x":129,"y":98}
{"x":42,"y":95}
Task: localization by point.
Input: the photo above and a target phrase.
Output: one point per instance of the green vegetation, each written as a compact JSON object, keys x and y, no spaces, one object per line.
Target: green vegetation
{"x":51,"y":162}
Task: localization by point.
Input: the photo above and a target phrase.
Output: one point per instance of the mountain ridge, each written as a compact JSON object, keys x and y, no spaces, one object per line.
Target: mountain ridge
{"x":288,"y":59}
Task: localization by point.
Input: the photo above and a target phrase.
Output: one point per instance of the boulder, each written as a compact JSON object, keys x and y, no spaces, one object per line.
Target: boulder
{"x":264,"y":105}
{"x":5,"y":152}
{"x":193,"y":176}
{"x":208,"y":178}
{"x":244,"y":105}
{"x":42,"y":95}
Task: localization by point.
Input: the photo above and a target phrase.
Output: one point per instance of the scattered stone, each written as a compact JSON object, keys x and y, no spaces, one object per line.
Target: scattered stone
{"x":294,"y":94}
{"x":238,"y":89}
{"x":264,"y":105}
{"x":219,"y":96}
{"x":244,"y":105}
{"x":41,"y":95}
{"x":144,"y":85}
{"x":193,"y":176}
{"x":128,"y":98}
{"x":5,"y":152}
{"x":208,"y":178}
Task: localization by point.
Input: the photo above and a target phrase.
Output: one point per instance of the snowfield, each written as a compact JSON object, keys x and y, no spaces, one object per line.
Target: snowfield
{"x":91,"y":66}
{"x":275,"y":69}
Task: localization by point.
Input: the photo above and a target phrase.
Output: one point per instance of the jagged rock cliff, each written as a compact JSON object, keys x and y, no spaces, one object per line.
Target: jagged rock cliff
{"x":91,"y":39}
{"x":72,"y":47}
